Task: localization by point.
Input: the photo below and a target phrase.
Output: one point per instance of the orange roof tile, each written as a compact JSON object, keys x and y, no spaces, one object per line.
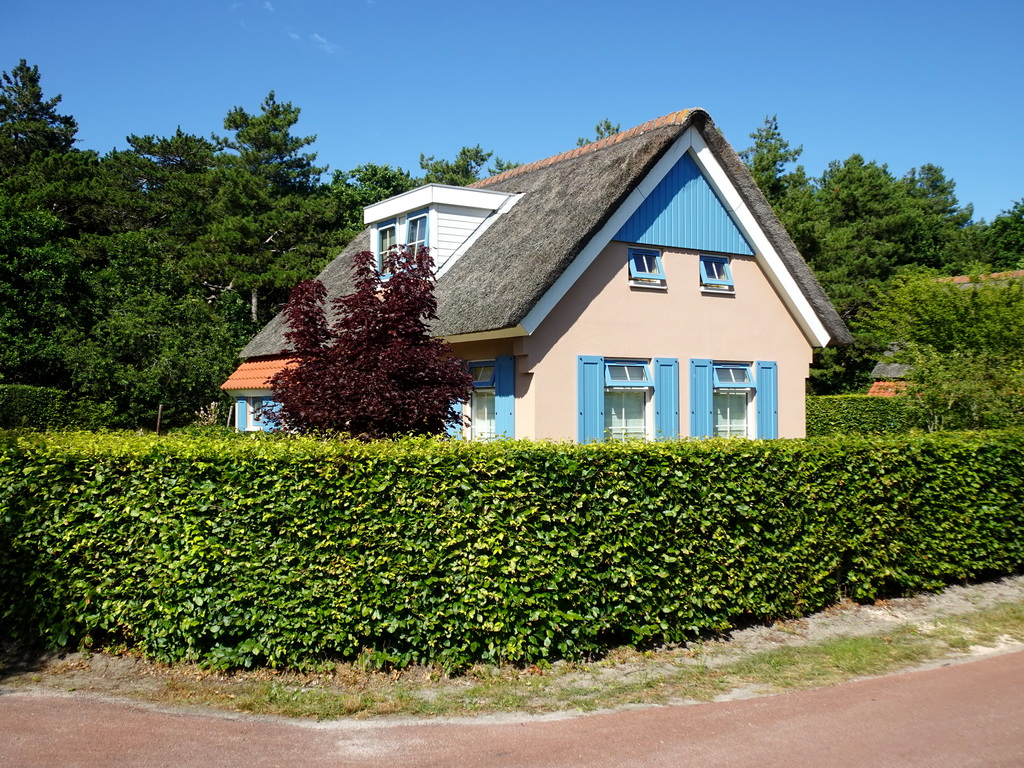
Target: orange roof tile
{"x":256,"y":374}
{"x":1016,"y":275}
{"x":887,"y":388}
{"x":671,"y":119}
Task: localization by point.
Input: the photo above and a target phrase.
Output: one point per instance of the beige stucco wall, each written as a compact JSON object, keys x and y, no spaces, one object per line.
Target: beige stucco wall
{"x":602,"y":315}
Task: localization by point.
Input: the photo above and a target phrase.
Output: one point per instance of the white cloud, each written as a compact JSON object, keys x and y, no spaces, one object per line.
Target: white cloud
{"x":323,"y":44}
{"x":268,"y":5}
{"x":294,"y":36}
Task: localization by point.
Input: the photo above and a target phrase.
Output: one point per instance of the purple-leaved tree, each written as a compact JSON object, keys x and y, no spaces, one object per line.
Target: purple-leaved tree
{"x":374,"y":371}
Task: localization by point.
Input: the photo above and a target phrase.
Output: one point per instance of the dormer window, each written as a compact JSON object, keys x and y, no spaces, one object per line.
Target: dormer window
{"x":442,"y":218}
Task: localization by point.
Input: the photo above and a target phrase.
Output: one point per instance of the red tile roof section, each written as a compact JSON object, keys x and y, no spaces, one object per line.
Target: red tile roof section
{"x":1017,"y":275}
{"x":256,"y":374}
{"x":673,"y":119}
{"x":887,"y":388}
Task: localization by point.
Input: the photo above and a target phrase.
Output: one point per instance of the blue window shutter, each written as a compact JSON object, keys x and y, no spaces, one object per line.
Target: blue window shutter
{"x":505,"y":396}
{"x":666,"y":398}
{"x":455,"y":430}
{"x":767,"y":400}
{"x":590,"y":397}
{"x":240,"y":414}
{"x":701,"y":398}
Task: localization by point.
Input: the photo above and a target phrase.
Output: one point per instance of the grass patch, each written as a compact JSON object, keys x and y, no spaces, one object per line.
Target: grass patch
{"x":835,"y":661}
{"x":989,"y":627}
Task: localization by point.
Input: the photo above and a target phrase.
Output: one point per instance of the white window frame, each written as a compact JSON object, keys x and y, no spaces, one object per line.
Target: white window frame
{"x":712,"y":282}
{"x":484,"y":385}
{"x":639,"y":277}
{"x":733,"y":378}
{"x":635,"y":384}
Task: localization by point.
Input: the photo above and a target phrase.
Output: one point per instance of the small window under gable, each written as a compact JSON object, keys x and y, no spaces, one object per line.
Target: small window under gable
{"x":715,"y":274}
{"x":387,"y":238}
{"x":645,"y":269}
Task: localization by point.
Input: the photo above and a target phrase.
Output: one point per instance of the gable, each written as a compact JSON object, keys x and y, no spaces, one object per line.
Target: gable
{"x":683,"y":211}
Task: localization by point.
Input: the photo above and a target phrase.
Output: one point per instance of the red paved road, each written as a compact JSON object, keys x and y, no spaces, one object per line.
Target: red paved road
{"x":962,"y":715}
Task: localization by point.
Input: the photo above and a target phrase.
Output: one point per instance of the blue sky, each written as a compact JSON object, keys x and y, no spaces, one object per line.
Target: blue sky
{"x":900,"y":82}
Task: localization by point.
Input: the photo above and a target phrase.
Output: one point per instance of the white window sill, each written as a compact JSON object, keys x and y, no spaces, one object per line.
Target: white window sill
{"x":648,"y":286}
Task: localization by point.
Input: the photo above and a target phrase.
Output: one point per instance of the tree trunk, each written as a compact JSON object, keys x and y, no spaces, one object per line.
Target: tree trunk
{"x":254,"y":304}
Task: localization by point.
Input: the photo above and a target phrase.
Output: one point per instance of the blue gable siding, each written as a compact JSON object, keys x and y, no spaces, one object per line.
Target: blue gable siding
{"x":684,"y":212}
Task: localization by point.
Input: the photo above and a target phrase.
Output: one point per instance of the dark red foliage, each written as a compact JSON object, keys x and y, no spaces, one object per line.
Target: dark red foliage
{"x":373,"y":371}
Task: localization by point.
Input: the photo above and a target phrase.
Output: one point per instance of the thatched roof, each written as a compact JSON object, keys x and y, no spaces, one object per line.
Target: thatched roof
{"x":566,"y":200}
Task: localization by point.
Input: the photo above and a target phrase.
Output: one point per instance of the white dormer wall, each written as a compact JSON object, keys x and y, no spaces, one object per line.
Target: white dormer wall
{"x":454,"y":216}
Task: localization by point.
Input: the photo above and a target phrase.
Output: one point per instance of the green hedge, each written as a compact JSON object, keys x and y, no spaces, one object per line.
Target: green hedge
{"x":22,"y":406}
{"x":829,"y":415}
{"x":293,"y":552}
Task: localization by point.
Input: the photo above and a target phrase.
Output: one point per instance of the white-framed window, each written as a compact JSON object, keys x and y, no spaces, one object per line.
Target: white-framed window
{"x":481,"y":402}
{"x":716,"y":274}
{"x":416,"y":231}
{"x":645,"y":268}
{"x":251,"y":413}
{"x":410,"y":230}
{"x":627,"y":395}
{"x":732,"y":397}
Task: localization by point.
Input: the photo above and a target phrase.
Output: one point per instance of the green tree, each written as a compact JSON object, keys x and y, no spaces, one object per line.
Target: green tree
{"x":40,"y":291}
{"x":30,"y":124}
{"x":1003,"y":239}
{"x":602,"y":130}
{"x":150,"y":339}
{"x":768,"y":159}
{"x":351,"y":191}
{"x":269,"y":221}
{"x":460,"y":172}
{"x":964,"y":343}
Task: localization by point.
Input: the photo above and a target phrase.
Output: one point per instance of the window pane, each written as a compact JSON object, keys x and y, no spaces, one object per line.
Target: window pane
{"x":482,"y":373}
{"x":730,"y":414}
{"x":624,"y":414}
{"x":417,"y":232}
{"x":387,"y":239}
{"x":627,"y":373}
{"x":481,"y":424}
{"x":734,"y":375}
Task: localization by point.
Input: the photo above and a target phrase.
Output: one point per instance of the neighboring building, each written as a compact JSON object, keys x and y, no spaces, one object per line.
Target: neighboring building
{"x":639,"y":286}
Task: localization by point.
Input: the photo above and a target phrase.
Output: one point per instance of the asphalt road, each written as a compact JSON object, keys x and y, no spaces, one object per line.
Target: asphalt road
{"x":969,"y":714}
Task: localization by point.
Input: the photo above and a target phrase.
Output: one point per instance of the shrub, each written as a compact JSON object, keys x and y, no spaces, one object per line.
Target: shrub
{"x":292,"y":552}
{"x":23,"y":406}
{"x":829,"y":415}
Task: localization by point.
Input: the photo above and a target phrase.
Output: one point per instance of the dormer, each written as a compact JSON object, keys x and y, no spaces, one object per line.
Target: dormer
{"x":445,"y":219}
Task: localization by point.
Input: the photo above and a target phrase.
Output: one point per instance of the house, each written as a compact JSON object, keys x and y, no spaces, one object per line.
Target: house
{"x":637,"y":287}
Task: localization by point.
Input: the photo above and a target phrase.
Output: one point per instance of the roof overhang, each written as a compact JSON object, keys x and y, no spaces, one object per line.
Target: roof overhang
{"x":434,"y":194}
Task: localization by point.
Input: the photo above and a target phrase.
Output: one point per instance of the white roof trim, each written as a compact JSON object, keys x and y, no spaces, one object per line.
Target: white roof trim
{"x":779,"y":276}
{"x":433,"y":194}
{"x":767,"y":257}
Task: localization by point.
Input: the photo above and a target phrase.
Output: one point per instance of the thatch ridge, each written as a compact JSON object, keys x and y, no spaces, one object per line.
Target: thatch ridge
{"x":675,"y":118}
